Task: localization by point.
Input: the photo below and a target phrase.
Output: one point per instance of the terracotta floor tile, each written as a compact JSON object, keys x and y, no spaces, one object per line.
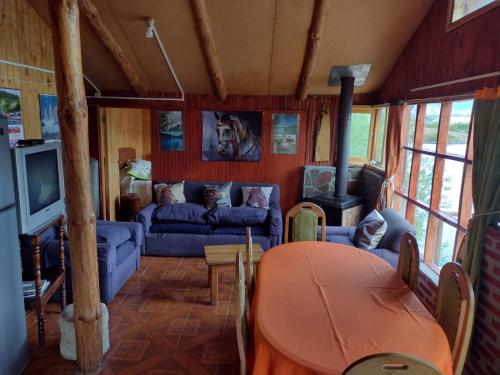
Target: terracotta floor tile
{"x":161,"y":323}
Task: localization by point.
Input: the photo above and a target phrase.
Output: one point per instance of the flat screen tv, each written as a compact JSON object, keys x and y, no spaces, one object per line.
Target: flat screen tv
{"x":39,"y":185}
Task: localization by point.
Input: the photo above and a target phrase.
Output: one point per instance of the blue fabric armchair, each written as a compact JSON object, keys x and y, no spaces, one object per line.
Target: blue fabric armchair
{"x":119,"y":247}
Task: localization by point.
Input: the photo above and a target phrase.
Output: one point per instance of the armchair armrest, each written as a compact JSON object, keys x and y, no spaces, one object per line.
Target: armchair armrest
{"x":275,"y":218}
{"x":136,"y":229}
{"x":144,"y":216}
{"x":106,"y":257}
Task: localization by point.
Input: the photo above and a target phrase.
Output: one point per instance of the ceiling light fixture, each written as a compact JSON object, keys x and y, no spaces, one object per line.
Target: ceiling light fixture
{"x":150,"y":29}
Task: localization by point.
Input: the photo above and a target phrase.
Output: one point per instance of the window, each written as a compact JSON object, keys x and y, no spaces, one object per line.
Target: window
{"x":367,"y":137}
{"x":461,"y":11}
{"x":433,"y":186}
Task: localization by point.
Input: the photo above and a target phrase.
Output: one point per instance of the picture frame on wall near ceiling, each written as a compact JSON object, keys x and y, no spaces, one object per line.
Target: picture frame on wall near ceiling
{"x":231,"y":136}
{"x":171,"y":126}
{"x":48,"y":117}
{"x":10,"y":109}
{"x":462,"y":11}
{"x":285,"y":133}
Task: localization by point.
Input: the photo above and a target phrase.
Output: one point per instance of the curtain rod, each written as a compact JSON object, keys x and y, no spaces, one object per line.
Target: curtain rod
{"x":467,"y":79}
{"x":465,"y":96}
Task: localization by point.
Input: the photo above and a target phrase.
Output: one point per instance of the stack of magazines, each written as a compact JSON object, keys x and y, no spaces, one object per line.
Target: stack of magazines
{"x":29,"y":289}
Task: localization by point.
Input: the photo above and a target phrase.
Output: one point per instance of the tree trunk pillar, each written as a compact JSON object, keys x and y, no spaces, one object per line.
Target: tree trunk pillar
{"x":73,"y":120}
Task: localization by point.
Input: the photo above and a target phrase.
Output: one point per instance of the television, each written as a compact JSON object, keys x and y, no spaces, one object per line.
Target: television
{"x":39,"y":185}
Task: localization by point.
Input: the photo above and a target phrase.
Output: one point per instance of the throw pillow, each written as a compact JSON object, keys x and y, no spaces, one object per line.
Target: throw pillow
{"x":170,"y":194}
{"x":217,"y":195}
{"x":140,"y":169}
{"x":256,"y":196}
{"x":370,"y":231}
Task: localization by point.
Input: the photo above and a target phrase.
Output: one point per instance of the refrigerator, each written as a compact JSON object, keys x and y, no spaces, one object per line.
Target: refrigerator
{"x":13,"y":335}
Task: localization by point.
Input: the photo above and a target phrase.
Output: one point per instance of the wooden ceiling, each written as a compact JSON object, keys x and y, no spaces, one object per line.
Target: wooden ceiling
{"x":260,"y":43}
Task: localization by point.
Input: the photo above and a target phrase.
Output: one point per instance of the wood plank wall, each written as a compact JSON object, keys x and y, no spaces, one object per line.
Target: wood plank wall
{"x":281,"y":169}
{"x":434,"y":55}
{"x":26,"y":39}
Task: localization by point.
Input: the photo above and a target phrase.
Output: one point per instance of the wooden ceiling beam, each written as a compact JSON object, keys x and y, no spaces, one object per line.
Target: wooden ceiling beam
{"x":205,"y":34}
{"x":312,"y":49}
{"x":91,"y":13}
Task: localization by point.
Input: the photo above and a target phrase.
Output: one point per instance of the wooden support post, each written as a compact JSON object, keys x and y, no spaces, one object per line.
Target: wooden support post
{"x":73,"y":118}
{"x":90,"y":12}
{"x":312,"y":49}
{"x":208,"y":44}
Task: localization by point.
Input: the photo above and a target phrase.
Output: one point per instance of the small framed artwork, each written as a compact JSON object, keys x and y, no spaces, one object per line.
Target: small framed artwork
{"x":48,"y":117}
{"x":285,"y":133}
{"x":10,"y":109}
{"x":171,"y":130}
{"x":461,"y":11}
{"x":231,"y":136}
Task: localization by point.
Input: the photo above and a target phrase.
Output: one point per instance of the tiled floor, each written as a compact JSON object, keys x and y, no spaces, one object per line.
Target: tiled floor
{"x":161,"y":322}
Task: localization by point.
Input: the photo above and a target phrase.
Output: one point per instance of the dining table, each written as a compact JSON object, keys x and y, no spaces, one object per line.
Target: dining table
{"x":320,"y":306}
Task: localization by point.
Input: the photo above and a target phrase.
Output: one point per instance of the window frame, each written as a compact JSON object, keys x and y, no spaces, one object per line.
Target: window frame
{"x":435,"y":214}
{"x":451,"y":25}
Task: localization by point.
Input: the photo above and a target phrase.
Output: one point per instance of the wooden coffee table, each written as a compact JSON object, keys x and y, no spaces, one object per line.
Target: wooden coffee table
{"x":217,"y":256}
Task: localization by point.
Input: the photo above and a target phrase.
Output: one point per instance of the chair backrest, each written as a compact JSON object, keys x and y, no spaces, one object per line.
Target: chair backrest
{"x":241,"y":315}
{"x":455,"y":311}
{"x":249,"y":263}
{"x":391,"y":363}
{"x":409,"y":260}
{"x":304,"y":217}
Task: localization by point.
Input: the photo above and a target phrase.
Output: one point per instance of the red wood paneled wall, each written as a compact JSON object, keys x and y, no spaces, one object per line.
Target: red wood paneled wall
{"x":434,"y":56}
{"x":281,"y":169}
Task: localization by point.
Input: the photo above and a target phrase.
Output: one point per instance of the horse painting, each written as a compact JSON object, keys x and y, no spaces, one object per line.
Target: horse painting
{"x":232,"y":136}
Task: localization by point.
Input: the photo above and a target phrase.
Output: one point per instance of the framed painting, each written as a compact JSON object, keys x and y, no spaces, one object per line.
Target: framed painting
{"x":461,"y":11}
{"x":285,"y":133}
{"x":231,"y":136}
{"x":171,"y":130}
{"x":48,"y":117}
{"x":10,"y":109}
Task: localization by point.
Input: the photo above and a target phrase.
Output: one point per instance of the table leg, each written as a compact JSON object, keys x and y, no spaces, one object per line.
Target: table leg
{"x":214,"y":284}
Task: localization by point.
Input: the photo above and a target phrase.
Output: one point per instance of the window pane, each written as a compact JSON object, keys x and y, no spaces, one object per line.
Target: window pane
{"x":452,"y":184}
{"x":444,"y":243}
{"x":379,"y":141}
{"x":462,"y":8}
{"x":399,"y":204}
{"x":412,"y":122}
{"x":431,"y":125}
{"x":408,"y":156}
{"x":360,"y":132}
{"x":424,"y":186}
{"x":459,"y":127}
{"x":421,"y":218}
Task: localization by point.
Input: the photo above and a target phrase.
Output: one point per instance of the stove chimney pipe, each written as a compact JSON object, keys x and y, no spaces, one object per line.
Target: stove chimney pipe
{"x":344,"y":124}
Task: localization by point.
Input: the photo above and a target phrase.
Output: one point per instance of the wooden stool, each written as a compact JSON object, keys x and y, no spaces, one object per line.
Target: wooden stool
{"x":129,"y":206}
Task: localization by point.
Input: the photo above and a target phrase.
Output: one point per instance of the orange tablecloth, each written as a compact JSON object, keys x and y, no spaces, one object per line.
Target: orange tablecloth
{"x":320,"y":306}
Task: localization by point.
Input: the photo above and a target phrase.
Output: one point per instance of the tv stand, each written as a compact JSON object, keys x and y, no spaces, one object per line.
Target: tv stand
{"x":32,"y":270}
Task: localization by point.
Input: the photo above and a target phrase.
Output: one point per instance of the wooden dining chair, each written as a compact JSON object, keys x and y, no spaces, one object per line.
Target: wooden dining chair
{"x":455,"y":311}
{"x":304,"y":218}
{"x":391,"y":364}
{"x":409,"y":261}
{"x":250,"y":279}
{"x":241,"y":313}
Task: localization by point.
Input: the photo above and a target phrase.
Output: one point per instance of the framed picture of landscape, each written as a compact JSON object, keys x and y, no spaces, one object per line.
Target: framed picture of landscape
{"x":285,"y":133}
{"x":171,"y":130}
{"x":48,"y":117}
{"x":10,"y":109}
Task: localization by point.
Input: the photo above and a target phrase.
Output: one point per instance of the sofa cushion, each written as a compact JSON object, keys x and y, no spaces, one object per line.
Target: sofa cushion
{"x":396,"y":227}
{"x":113,"y":234}
{"x":387,"y":255}
{"x":257,"y":230}
{"x":241,"y":216}
{"x":217,"y":195}
{"x":370,"y":231}
{"x":188,"y":228}
{"x":256,"y":196}
{"x":344,"y":240}
{"x":123,"y":251}
{"x":184,"y":212}
{"x":170,"y":193}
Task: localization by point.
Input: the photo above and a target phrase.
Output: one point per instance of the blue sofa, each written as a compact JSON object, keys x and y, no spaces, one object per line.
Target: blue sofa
{"x":119,"y":247}
{"x":388,"y":249}
{"x":165,"y":236}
